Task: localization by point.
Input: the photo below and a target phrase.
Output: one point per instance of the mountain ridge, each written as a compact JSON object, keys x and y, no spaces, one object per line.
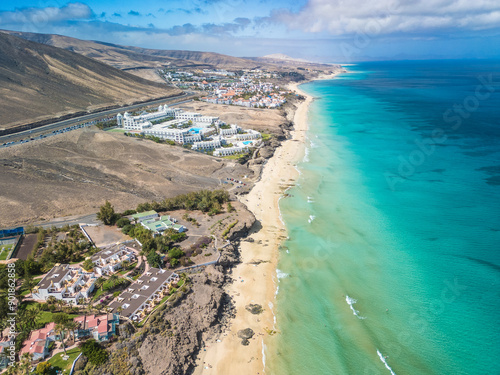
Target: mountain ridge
{"x":38,"y":82}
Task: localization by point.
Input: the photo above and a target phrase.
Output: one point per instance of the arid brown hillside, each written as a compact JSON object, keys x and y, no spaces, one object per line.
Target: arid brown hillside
{"x":38,"y":82}
{"x":74,"y":173}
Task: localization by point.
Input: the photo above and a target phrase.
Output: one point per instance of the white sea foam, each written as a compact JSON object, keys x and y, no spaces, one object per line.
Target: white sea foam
{"x":351,"y":301}
{"x":311,"y":218}
{"x":306,"y":155}
{"x":382,"y":358}
{"x":281,"y":274}
{"x":263,"y":355}
{"x":298,"y":170}
{"x":279,"y":211}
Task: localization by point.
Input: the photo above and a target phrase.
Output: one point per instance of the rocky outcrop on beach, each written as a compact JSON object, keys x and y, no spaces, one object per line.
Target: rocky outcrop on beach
{"x":245,"y":335}
{"x":172,"y":337}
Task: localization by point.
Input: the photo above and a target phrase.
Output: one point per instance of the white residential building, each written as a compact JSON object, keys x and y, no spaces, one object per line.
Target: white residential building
{"x":137,"y":122}
{"x":110,"y":259}
{"x":66,"y":283}
{"x":226,"y":151}
{"x":207,"y":145}
{"x":250,"y":135}
{"x":195,"y":117}
{"x":140,"y":298}
{"x":234,"y":129}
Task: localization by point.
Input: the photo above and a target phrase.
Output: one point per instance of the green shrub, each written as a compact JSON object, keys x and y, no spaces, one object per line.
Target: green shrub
{"x":95,"y":353}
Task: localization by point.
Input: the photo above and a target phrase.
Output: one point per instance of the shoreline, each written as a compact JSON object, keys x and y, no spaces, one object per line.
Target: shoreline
{"x":255,"y":280}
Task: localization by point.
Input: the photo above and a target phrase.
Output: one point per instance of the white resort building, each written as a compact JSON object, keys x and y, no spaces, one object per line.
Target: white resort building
{"x":66,"y":283}
{"x":207,"y":145}
{"x":203,"y":132}
{"x":179,"y":126}
{"x":234,"y":129}
{"x":140,"y":298}
{"x":230,"y":150}
{"x":110,"y":259}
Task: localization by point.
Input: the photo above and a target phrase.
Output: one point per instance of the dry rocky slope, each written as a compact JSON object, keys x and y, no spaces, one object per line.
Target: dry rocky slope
{"x":74,"y":173}
{"x":38,"y":82}
{"x":128,"y":57}
{"x":144,"y":62}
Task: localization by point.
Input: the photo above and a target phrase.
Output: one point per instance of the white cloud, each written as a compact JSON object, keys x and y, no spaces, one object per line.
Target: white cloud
{"x":339,"y":17}
{"x":43,"y":16}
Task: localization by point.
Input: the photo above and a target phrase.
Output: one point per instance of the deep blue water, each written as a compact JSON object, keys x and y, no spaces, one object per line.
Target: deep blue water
{"x":402,"y":180}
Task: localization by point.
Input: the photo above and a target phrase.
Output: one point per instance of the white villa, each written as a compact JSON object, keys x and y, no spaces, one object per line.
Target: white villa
{"x":110,"y":259}
{"x":66,"y":283}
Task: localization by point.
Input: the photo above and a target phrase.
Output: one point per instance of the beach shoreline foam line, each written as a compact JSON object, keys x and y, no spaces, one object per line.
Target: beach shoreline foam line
{"x":257,"y":283}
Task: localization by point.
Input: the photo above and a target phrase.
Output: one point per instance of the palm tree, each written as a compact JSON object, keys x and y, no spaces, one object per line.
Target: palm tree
{"x":31,"y":317}
{"x":99,"y":282}
{"x":71,"y":326}
{"x":125,"y":264}
{"x":62,"y":321}
{"x":30,"y":283}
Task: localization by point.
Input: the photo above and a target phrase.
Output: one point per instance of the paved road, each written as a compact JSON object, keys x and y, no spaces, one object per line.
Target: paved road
{"x":68,"y":220}
{"x":36,"y":132}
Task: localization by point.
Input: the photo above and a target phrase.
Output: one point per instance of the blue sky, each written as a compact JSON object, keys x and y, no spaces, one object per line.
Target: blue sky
{"x":320,"y":30}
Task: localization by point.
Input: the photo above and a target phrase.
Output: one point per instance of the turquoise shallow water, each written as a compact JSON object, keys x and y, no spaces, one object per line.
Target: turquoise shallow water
{"x":392,"y":263}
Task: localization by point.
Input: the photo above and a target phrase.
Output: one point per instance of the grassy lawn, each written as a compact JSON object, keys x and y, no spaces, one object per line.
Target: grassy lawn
{"x":4,"y":251}
{"x":46,"y":317}
{"x":128,"y":269}
{"x":116,"y":130}
{"x":233,"y":157}
{"x":60,"y":364}
{"x":107,"y":287}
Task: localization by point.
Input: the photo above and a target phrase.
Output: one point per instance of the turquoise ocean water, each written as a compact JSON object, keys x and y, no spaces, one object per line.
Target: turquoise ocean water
{"x":392,"y":263}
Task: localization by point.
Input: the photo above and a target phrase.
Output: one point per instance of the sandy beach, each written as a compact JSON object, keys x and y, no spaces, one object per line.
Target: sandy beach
{"x":256,"y":283}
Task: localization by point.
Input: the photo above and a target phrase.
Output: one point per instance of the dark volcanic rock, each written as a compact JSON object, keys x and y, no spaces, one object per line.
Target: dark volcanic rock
{"x":244,"y":335}
{"x":254,"y":308}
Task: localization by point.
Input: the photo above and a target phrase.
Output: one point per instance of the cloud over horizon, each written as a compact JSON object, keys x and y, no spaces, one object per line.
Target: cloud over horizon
{"x":337,"y":17}
{"x":305,"y":28}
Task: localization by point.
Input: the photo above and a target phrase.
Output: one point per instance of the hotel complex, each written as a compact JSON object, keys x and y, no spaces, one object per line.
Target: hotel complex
{"x":203,"y":133}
